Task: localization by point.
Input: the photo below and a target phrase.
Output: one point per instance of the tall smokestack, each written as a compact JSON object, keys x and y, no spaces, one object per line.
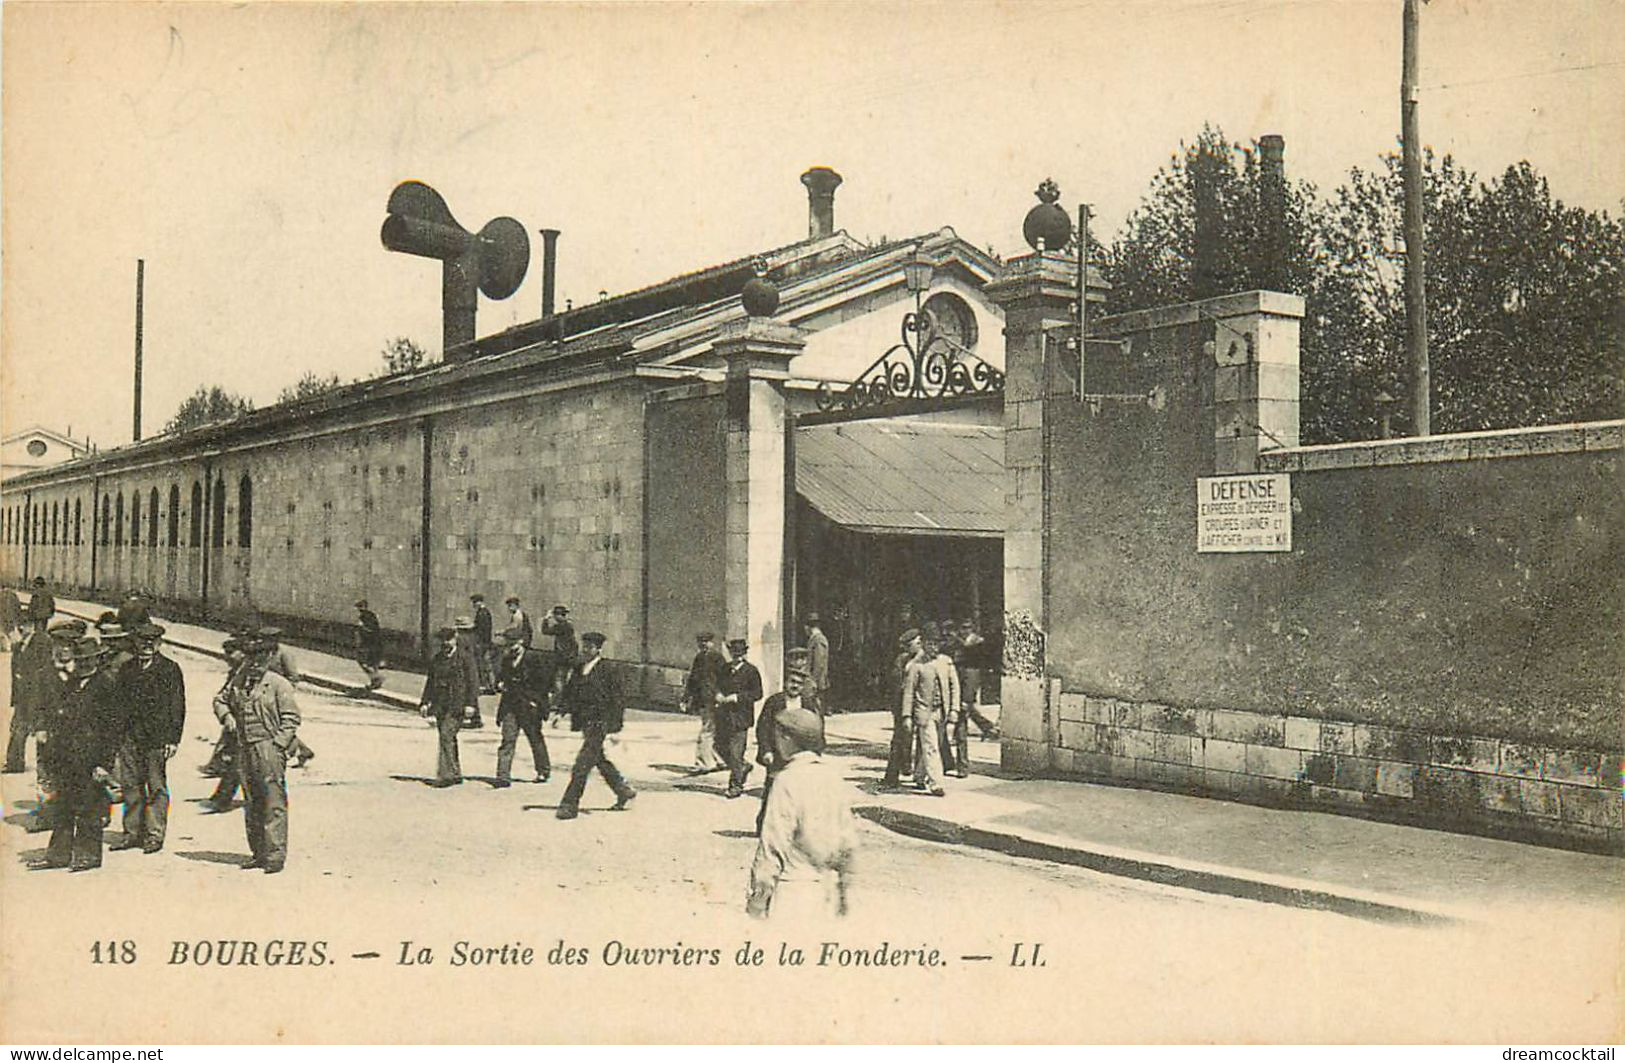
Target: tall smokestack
{"x":821,"y":182}
{"x":550,"y":258}
{"x":1272,"y":212}
{"x":140,"y":285}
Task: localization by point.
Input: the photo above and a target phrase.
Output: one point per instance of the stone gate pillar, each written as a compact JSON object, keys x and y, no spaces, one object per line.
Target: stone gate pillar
{"x":1037,"y":293}
{"x":757,"y":352}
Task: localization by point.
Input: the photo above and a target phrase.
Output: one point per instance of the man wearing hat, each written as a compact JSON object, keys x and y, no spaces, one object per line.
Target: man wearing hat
{"x":700,"y":696}
{"x":518,"y":629}
{"x":805,"y":859}
{"x":155,"y":692}
{"x":818,"y":659}
{"x":594,"y":703}
{"x":738,"y":691}
{"x":283,"y":663}
{"x":448,"y":693}
{"x":466,"y":652}
{"x":41,"y":604}
{"x":525,"y":678}
{"x":32,"y":671}
{"x":484,"y":648}
{"x":259,"y":705}
{"x":794,"y":696}
{"x":900,"y":759}
{"x":922,"y":702}
{"x":566,"y":654}
{"x":83,"y":728}
{"x":224,"y":761}
{"x":369,"y":644}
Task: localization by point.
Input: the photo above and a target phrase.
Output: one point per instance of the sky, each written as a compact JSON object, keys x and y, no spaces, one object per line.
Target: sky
{"x":246,"y":152}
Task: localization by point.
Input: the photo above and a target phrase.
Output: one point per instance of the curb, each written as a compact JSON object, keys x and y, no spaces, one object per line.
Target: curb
{"x":315,"y":679}
{"x":1229,"y":882}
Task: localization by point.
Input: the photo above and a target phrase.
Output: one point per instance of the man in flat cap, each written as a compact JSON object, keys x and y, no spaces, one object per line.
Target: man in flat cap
{"x":155,"y":692}
{"x":809,"y":840}
{"x":83,"y":727}
{"x":369,"y":644}
{"x":525,"y":680}
{"x":593,"y":700}
{"x":259,"y":706}
{"x":700,"y":698}
{"x":566,"y":654}
{"x":738,"y":691}
{"x":922,"y":702}
{"x":284,"y":664}
{"x":449,"y":693}
{"x":519,"y":629}
{"x":793,"y":696}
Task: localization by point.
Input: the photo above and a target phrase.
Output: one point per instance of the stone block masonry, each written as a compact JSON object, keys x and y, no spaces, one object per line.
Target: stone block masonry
{"x":1468,"y":783}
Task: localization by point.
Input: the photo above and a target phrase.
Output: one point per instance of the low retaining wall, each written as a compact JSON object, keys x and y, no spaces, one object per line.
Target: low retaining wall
{"x":1474,"y":784}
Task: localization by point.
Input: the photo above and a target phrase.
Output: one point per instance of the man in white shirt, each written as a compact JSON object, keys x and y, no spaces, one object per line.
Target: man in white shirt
{"x":806,"y":856}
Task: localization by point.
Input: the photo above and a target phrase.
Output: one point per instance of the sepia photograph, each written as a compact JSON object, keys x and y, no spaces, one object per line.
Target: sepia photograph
{"x":859,"y":523}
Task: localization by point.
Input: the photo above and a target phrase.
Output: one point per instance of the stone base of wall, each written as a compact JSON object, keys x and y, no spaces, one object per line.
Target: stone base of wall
{"x":1481,"y":785}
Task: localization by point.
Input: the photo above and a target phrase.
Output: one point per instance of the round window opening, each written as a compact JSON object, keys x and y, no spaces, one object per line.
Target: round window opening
{"x":36,"y":448}
{"x":951,"y":317}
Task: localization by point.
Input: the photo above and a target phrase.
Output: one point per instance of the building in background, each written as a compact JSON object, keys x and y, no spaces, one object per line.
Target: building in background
{"x":37,"y":447}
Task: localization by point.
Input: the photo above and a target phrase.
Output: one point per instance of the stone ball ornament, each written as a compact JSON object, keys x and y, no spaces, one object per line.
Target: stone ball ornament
{"x":760,"y":297}
{"x":1047,"y":228}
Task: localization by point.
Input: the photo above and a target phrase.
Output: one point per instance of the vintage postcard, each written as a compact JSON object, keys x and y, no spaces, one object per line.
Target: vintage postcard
{"x":814,"y":523}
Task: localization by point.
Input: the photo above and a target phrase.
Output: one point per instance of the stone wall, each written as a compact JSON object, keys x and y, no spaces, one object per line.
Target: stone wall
{"x":1443,"y":642}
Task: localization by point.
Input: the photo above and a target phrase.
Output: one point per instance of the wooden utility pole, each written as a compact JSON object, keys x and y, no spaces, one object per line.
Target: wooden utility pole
{"x":1416,"y":307}
{"x":140,"y":280}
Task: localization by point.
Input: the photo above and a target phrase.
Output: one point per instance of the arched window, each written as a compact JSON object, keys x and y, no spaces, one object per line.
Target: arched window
{"x":135,"y":517}
{"x":118,"y":520}
{"x":174,"y":514}
{"x":217,"y":515}
{"x":78,"y":521}
{"x":53,"y":524}
{"x":197,"y":515}
{"x":245,"y":512}
{"x":107,"y":518}
{"x":152,"y":517}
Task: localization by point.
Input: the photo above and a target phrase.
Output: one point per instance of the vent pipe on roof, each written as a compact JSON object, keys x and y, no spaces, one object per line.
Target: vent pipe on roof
{"x":821,"y":182}
{"x":550,"y":259}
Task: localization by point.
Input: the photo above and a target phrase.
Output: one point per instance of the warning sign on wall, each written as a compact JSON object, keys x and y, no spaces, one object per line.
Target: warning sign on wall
{"x":1244,"y":514}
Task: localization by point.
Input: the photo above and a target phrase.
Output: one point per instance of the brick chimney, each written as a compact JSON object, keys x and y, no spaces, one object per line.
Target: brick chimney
{"x":821,"y":182}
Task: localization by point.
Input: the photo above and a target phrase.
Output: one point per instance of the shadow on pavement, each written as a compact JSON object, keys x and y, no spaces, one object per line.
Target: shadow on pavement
{"x":210,"y":856}
{"x":735,"y":834}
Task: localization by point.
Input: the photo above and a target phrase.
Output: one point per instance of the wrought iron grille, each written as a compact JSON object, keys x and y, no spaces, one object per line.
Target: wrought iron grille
{"x":925,"y":365}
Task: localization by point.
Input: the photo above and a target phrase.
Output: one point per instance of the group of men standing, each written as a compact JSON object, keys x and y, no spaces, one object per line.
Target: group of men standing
{"x":107,"y":710}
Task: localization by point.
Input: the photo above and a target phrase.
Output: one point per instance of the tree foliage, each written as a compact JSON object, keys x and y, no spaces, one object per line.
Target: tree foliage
{"x":309,"y":386}
{"x":402,"y":355}
{"x":1524,"y":293}
{"x":208,"y":405}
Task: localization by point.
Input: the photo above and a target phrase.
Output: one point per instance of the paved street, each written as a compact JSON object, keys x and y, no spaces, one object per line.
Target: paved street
{"x":378,"y":857}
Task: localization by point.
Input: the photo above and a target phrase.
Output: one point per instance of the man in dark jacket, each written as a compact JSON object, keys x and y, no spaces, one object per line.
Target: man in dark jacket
{"x":738,"y":691}
{"x":31,"y":671}
{"x":566,"y":654}
{"x":154,"y":692}
{"x":448,"y":693}
{"x":83,"y":727}
{"x":797,"y":670}
{"x":466,"y":650}
{"x":41,"y":604}
{"x":369,"y":644}
{"x":594,"y":704}
{"x":700,"y":698}
{"x":525,"y":677}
